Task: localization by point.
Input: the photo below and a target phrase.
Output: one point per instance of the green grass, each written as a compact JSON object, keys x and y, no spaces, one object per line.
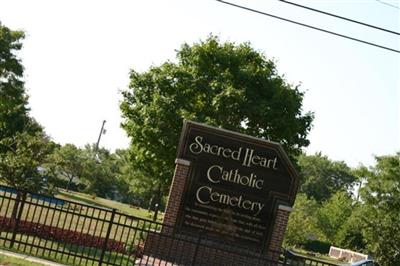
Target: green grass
{"x":12,"y":261}
{"x":316,"y":256}
{"x":110,"y":204}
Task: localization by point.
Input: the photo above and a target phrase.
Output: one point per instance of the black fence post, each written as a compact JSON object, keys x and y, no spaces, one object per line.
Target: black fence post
{"x":285,"y":262}
{"x":20,"y":200}
{"x":196,"y":250}
{"x":103,"y":251}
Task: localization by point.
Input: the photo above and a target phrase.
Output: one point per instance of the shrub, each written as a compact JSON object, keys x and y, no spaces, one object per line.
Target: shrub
{"x":59,"y":234}
{"x":317,"y":246}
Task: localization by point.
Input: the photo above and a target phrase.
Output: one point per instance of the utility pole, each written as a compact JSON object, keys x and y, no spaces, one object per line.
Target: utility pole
{"x":102,"y":131}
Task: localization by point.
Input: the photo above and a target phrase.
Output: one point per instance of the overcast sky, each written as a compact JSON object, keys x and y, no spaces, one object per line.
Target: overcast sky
{"x":77,"y":56}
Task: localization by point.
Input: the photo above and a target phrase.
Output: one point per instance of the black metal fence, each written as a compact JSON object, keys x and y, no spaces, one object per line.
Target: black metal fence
{"x":79,"y":234}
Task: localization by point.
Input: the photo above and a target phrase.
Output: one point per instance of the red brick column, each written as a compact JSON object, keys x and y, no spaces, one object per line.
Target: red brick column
{"x":162,"y":244}
{"x":176,"y":191}
{"x":278,"y":233}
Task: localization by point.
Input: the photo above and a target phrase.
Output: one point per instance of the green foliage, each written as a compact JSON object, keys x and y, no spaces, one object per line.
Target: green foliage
{"x":93,"y":169}
{"x":302,"y":225}
{"x":350,"y":234}
{"x":23,"y":145}
{"x":67,"y":161}
{"x":221,"y":84}
{"x":381,"y":213}
{"x":317,"y":246}
{"x":136,"y":187}
{"x":333,"y":214}
{"x":370,"y":225}
{"x":99,"y":172}
{"x":10,"y":42}
{"x":20,"y":164}
{"x":321,"y":177}
{"x":13,"y":100}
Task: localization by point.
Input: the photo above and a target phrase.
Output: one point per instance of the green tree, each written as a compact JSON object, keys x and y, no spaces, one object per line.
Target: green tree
{"x":221,"y":84}
{"x":321,"y":177}
{"x":99,"y":171}
{"x":302,"y":225}
{"x":333,"y":215}
{"x":134,"y":185}
{"x":23,"y":145}
{"x":20,"y":165}
{"x":67,"y":161}
{"x":13,"y":100}
{"x":21,"y":162}
{"x":381,"y":216}
{"x":350,"y":234}
{"x":14,"y":115}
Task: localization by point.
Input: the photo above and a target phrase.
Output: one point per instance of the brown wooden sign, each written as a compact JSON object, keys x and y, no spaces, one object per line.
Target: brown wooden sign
{"x":236,"y":183}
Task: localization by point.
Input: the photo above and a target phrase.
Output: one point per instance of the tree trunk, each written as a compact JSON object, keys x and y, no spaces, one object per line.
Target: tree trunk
{"x":69,"y":183}
{"x":21,"y":196}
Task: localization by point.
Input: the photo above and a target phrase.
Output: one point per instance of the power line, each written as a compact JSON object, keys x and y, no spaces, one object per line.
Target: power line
{"x":388,"y":4}
{"x":309,"y":26}
{"x":340,"y":17}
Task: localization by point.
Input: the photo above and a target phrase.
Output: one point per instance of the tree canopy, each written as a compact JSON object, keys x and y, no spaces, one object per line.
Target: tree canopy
{"x":23,"y":145}
{"x":302,"y":224}
{"x":322,"y":177}
{"x":223,"y":84}
{"x":67,"y":161}
{"x":381,"y":213}
{"x":13,"y":100}
{"x":20,"y":164}
{"x":100,"y":171}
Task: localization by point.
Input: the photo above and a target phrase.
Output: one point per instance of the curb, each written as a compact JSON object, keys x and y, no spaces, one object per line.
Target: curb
{"x":29,"y":258}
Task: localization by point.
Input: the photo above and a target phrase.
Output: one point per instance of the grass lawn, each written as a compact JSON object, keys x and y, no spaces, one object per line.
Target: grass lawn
{"x":110,"y":204}
{"x":11,"y":261}
{"x":106,"y":203}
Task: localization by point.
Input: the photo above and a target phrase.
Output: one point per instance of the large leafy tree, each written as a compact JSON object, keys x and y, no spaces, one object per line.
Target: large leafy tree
{"x":381,"y":216}
{"x":321,"y":177}
{"x":219,"y":83}
{"x":13,"y":99}
{"x":23,"y":145}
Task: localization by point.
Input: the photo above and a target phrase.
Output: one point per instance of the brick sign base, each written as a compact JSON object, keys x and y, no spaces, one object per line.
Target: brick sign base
{"x":176,"y":191}
{"x":167,"y":247}
{"x":174,"y":251}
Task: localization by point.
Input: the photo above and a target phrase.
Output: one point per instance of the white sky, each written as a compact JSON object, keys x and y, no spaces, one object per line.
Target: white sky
{"x":77,"y":56}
